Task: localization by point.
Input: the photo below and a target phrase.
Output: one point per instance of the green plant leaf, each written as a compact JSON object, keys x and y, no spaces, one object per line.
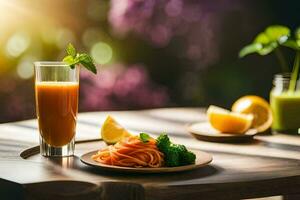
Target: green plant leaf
{"x":87,"y":62}
{"x":144,"y":137}
{"x":90,"y":66}
{"x":267,"y":48}
{"x":262,"y":38}
{"x":267,"y":41}
{"x":292,"y":44}
{"x":71,"y":50}
{"x":73,"y":58}
{"x":85,"y":58}
{"x":276,"y":32}
{"x":70,"y":61}
{"x":251,"y":48}
{"x":271,"y":39}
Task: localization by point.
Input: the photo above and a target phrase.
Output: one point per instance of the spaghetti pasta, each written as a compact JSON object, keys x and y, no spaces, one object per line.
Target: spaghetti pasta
{"x":131,"y":152}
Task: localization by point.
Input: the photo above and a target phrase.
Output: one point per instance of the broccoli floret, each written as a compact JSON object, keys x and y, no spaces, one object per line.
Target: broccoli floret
{"x":172,"y":157}
{"x":175,"y":154}
{"x":163,"y":143}
{"x":180,"y":147}
{"x":187,"y":158}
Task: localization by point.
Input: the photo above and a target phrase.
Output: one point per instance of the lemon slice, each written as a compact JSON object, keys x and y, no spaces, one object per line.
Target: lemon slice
{"x":228,"y":122}
{"x":112,"y":132}
{"x":258,"y":107}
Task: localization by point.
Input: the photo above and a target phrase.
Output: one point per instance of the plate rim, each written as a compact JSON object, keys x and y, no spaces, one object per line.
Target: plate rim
{"x":223,"y":135}
{"x":148,"y":169}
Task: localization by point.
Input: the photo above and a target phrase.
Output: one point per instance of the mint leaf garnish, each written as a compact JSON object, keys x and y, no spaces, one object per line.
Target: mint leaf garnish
{"x":87,"y":61}
{"x":71,"y":50}
{"x":144,"y":137}
{"x":73,"y":58}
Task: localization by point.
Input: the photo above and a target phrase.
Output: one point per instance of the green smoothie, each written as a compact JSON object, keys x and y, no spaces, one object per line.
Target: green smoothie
{"x":286,"y":111}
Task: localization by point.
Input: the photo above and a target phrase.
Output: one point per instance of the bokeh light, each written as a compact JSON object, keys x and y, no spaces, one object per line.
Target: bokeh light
{"x":17,"y":44}
{"x":101,"y":52}
{"x":25,"y":68}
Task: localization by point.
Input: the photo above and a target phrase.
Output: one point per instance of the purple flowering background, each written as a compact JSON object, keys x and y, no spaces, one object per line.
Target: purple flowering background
{"x":160,"y":53}
{"x":159,"y":22}
{"x":119,"y":88}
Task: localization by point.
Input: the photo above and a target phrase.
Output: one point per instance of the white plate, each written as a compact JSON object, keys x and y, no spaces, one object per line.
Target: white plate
{"x":202,"y":159}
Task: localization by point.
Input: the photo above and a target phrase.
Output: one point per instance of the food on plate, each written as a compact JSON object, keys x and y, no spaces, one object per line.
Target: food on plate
{"x":131,"y":152}
{"x":174,"y":154}
{"x":258,"y":107}
{"x":112,"y":131}
{"x":228,"y":122}
{"x":145,"y":151}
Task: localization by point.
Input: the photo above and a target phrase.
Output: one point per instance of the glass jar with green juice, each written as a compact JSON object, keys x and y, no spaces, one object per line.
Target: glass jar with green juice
{"x":285,"y":105}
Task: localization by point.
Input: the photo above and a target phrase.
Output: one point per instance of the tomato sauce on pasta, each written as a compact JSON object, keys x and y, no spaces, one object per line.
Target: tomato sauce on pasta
{"x":131,"y":152}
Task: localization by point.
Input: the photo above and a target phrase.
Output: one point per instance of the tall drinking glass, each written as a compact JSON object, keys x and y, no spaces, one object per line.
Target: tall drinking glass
{"x":56,"y":96}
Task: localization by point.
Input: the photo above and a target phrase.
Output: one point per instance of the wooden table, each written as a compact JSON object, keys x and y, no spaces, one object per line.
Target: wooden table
{"x":270,"y":165}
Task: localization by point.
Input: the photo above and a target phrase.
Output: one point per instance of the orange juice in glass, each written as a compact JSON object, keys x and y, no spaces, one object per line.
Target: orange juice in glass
{"x":56,"y":95}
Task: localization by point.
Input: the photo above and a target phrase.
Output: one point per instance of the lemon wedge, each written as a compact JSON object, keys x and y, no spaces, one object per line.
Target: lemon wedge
{"x":258,"y":107}
{"x":228,"y":122}
{"x":112,"y":132}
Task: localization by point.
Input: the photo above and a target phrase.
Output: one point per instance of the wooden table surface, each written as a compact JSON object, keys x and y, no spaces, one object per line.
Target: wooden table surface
{"x":269,"y":165}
